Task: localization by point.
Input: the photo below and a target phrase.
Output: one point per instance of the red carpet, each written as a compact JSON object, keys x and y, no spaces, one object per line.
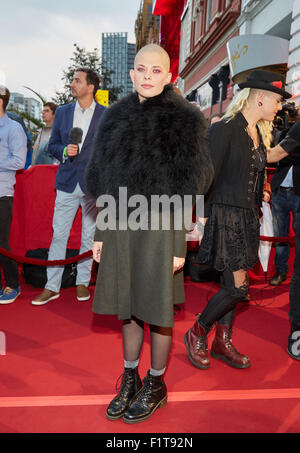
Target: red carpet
{"x":62,"y":362}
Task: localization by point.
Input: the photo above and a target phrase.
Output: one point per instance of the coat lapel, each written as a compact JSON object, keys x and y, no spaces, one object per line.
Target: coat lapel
{"x":93,"y":124}
{"x":70,"y":117}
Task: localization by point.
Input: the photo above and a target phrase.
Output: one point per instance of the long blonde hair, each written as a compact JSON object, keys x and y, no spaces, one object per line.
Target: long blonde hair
{"x":237,"y":104}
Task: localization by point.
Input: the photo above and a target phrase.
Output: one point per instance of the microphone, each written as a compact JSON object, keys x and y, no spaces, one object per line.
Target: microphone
{"x":75,"y":138}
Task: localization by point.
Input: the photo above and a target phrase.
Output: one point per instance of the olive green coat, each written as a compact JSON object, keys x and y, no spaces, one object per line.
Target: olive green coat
{"x":135,"y":275}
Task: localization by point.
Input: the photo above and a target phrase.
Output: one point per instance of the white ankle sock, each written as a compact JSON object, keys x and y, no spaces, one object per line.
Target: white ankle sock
{"x":157,"y":372}
{"x":131,"y":363}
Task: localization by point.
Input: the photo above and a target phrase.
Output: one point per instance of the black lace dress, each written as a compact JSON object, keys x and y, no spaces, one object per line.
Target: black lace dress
{"x":231,"y":234}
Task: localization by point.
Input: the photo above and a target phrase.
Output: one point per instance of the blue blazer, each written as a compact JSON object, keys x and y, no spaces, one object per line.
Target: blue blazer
{"x":71,"y":172}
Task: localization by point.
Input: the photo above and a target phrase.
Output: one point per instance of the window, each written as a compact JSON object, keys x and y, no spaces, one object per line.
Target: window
{"x":197,"y":19}
{"x":227,"y":2}
{"x":208,"y":13}
{"x":185,"y":42}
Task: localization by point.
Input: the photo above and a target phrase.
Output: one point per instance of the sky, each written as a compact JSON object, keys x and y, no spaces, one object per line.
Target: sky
{"x":37,"y":37}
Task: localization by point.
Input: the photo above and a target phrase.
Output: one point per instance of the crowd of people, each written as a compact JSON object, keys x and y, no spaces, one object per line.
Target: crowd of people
{"x":154,"y":142}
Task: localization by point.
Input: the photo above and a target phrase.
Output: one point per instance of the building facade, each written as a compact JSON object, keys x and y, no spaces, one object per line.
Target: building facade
{"x":16,"y":102}
{"x":33,"y":107}
{"x":146,"y":25}
{"x":283,"y":24}
{"x":223,"y":40}
{"x":118,"y":56}
{"x":206,"y":27}
{"x":20,"y":103}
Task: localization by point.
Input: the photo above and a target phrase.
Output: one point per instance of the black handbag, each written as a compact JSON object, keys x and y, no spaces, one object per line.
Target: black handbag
{"x":37,"y":275}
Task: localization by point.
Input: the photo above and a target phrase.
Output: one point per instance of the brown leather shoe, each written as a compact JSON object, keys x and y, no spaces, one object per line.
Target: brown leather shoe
{"x":222,"y":348}
{"x":278,"y":278}
{"x":45,"y":297}
{"x":195,"y":341}
{"x":82,"y":293}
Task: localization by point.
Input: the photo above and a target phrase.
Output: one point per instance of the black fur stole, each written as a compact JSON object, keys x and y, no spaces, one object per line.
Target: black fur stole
{"x":155,"y":147}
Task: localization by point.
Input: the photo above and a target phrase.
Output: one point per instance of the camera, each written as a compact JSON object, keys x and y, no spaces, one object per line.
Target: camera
{"x":283,"y":121}
{"x":286,"y":117}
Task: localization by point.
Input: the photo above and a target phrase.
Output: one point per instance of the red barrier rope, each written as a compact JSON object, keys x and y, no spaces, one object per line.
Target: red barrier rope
{"x":290,"y":240}
{"x":37,"y":262}
{"x":75,"y":259}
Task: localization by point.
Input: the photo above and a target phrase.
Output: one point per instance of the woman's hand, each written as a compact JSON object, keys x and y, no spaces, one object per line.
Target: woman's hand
{"x":178,"y":263}
{"x":266,"y":196}
{"x":97,"y":250}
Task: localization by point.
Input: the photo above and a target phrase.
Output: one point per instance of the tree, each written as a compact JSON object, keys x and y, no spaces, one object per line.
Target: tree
{"x":37,"y":94}
{"x":82,"y":58}
{"x":32,"y":123}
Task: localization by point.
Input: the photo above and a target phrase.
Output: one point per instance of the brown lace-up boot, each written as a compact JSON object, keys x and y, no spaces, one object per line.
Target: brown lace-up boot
{"x":130,"y":385}
{"x":195,"y":341}
{"x":222,"y":348}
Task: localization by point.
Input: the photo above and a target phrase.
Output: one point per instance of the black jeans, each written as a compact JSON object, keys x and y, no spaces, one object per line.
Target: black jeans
{"x":285,"y":202}
{"x":10,"y":267}
{"x":221,"y":305}
{"x":294,"y":313}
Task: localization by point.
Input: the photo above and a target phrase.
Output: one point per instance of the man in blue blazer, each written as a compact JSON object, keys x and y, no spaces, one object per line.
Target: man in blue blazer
{"x":70,"y":187}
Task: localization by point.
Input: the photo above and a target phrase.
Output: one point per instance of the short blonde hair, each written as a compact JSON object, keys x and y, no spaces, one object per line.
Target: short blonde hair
{"x":154,"y":48}
{"x":238,"y":103}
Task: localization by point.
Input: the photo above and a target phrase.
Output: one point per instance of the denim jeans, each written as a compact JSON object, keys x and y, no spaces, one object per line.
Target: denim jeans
{"x":66,"y":207}
{"x":294,"y":313}
{"x":284,"y":203}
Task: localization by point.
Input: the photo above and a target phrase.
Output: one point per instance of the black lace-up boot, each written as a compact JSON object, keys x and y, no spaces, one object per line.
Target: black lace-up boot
{"x":153,"y":395}
{"x":130,"y":385}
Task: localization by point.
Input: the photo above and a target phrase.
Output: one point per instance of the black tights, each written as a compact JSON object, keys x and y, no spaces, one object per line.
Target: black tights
{"x":221,"y":306}
{"x":133,"y":337}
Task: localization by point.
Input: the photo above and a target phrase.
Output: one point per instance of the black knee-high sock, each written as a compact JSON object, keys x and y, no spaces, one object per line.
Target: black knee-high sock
{"x":222,"y":302}
{"x":227,"y":319}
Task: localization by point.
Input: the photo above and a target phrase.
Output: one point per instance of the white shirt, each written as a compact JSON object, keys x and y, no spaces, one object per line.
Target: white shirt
{"x":288,"y":180}
{"x":82,"y":118}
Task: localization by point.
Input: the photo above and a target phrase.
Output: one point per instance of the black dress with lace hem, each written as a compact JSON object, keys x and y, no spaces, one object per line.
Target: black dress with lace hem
{"x":231,"y":233}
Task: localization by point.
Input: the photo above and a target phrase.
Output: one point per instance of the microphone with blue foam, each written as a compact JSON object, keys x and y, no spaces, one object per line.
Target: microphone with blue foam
{"x":75,"y":138}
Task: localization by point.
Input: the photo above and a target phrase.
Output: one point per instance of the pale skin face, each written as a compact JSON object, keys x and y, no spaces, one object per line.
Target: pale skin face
{"x":47,"y":116}
{"x":79,"y":87}
{"x":150,"y":74}
{"x":271,"y":103}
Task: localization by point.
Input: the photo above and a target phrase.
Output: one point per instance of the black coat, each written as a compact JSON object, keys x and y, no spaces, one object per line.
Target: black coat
{"x":236,"y":182}
{"x":291,"y":144}
{"x":156,"y":147}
